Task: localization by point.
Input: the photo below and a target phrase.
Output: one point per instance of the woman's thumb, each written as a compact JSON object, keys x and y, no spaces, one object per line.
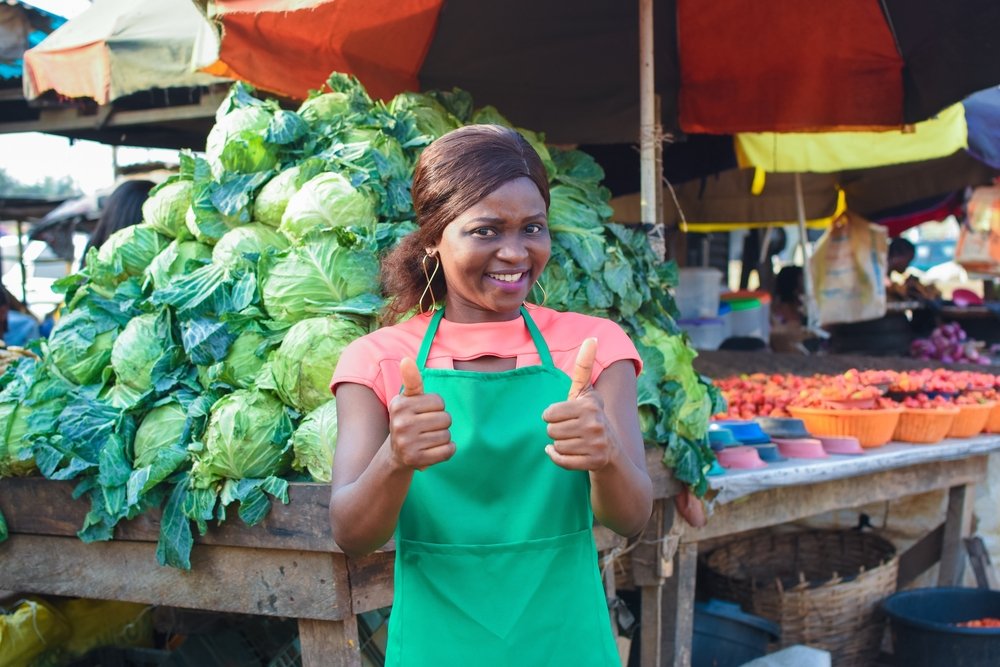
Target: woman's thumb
{"x":413,"y":384}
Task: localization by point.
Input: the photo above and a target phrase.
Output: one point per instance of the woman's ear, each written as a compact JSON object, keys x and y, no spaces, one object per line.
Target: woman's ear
{"x":431,"y":251}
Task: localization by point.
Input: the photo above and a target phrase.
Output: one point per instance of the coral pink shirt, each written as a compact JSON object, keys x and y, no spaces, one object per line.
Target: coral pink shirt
{"x":373,"y":360}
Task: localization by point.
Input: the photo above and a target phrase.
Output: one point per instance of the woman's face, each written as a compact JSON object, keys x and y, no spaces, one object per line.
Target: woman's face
{"x":492,"y":253}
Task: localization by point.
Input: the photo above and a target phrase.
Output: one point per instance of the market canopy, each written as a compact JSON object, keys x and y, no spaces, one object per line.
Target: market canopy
{"x":570,"y":69}
{"x":118,"y":47}
{"x":21,"y":27}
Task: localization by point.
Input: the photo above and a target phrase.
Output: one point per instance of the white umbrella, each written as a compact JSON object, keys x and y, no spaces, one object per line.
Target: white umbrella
{"x":118,"y":47}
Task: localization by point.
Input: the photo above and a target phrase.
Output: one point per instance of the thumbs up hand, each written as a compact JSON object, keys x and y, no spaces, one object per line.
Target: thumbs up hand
{"x":418,"y":423}
{"x":578,"y":426}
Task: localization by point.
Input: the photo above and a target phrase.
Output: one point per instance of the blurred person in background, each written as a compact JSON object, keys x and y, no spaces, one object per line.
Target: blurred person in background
{"x":123,"y":209}
{"x":901,"y":253}
{"x":17,"y":325}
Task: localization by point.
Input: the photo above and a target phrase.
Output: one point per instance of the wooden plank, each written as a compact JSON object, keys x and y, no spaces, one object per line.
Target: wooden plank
{"x":957,"y":526}
{"x":38,"y":506}
{"x":783,"y":504}
{"x":920,"y":557}
{"x":678,"y":599}
{"x":645,"y":557}
{"x":664,"y":483}
{"x":297,"y":584}
{"x":330,"y":643}
{"x":371,"y":579}
{"x":982,"y":566}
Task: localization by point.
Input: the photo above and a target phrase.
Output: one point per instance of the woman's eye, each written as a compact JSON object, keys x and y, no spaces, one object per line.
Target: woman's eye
{"x":484,"y":232}
{"x":535,"y":228}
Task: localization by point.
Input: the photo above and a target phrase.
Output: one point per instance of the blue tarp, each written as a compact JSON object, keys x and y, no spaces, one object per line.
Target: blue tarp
{"x":41,"y":24}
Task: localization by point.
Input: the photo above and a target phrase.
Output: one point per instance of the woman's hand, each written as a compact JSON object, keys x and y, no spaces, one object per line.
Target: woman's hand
{"x":418,"y":423}
{"x":581,"y":436}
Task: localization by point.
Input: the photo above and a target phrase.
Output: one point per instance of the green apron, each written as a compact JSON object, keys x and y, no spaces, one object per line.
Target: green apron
{"x":495,"y":556}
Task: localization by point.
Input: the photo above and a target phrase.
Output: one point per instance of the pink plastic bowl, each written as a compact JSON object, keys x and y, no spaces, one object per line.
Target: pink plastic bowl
{"x":801,"y":448}
{"x":841,"y":444}
{"x":743,"y":456}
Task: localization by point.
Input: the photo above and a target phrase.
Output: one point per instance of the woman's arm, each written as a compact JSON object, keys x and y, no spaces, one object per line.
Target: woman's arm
{"x":599,"y":431}
{"x":376,"y":454}
{"x":621,"y":493}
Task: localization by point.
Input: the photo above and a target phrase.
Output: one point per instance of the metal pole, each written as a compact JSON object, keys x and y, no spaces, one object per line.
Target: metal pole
{"x":648,"y":123}
{"x":20,"y":261}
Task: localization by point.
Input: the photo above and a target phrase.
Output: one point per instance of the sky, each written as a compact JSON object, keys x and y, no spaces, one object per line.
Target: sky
{"x":30,"y":157}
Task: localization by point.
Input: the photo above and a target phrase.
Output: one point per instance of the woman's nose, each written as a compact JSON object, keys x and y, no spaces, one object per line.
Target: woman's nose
{"x":513,"y":250}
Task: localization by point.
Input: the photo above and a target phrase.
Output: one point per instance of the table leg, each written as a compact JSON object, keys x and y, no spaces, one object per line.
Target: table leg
{"x":957,"y":526}
{"x":330,"y":643}
{"x":678,"y":601}
{"x":651,"y":627}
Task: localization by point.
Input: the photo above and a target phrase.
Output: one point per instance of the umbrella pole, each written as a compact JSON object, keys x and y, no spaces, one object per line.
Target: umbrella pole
{"x":812,"y":321}
{"x":649,"y":127}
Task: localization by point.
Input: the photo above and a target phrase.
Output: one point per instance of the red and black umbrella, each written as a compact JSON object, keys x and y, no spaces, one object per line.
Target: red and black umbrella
{"x":570,"y":69}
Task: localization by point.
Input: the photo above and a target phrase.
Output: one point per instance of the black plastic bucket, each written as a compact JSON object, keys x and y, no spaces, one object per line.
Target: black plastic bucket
{"x":924,"y":631}
{"x":726,"y":636}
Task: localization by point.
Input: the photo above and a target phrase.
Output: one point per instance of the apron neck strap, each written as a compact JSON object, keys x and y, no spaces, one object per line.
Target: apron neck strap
{"x":536,"y":336}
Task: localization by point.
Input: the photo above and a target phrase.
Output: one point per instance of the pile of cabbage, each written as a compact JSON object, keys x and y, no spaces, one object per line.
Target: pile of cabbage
{"x":190,"y":369}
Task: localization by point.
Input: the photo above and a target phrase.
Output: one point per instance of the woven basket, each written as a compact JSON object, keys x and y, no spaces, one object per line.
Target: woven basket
{"x":924,"y":425}
{"x":971,"y":420}
{"x":993,"y":424}
{"x":824,"y":588}
{"x":872,"y":428}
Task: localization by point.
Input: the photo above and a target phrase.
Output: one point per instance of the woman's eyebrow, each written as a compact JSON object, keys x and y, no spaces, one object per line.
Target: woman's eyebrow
{"x":485,"y":218}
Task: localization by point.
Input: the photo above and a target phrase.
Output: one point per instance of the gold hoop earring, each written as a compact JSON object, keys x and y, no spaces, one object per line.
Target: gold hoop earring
{"x":430,"y":278}
{"x":545,"y":295}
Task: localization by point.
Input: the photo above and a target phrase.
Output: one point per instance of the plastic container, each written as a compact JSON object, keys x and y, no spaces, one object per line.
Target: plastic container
{"x":769,"y":453}
{"x":783,"y":427}
{"x":726,"y":636}
{"x":706,"y":334}
{"x":744,"y":457}
{"x":720,"y":437}
{"x":697,"y":294}
{"x":843,"y":444}
{"x":751,"y":313}
{"x":725,"y":314}
{"x":872,"y":428}
{"x":924,"y":426}
{"x":747,"y":432}
{"x":801,"y":448}
{"x":924,"y":633}
{"x":971,"y":419}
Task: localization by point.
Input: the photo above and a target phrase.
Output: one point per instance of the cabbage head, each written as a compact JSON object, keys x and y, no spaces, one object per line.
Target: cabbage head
{"x":253,"y":239}
{"x":80,"y":346}
{"x":164,"y":210}
{"x":273,"y":198}
{"x":144,"y":351}
{"x":303,"y":365}
{"x":163,"y":427}
{"x":325,"y":108}
{"x":324,"y":202}
{"x":240,"y":365}
{"x":236,"y":143}
{"x":47,"y":396}
{"x":314,"y":441}
{"x":314,"y":277}
{"x":126,"y":253}
{"x":208,"y":226}
{"x":247,"y":437}
{"x":177,"y":259}
{"x":432,"y":118}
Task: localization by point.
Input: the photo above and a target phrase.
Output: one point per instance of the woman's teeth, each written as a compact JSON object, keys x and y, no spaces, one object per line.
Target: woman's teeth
{"x":506,"y":277}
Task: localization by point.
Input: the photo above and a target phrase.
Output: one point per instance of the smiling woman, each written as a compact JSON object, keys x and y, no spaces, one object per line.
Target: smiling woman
{"x":523,"y":428}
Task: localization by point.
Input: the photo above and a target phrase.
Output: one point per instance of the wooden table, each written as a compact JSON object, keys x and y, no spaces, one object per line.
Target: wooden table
{"x":288,"y":565}
{"x":796,"y":489}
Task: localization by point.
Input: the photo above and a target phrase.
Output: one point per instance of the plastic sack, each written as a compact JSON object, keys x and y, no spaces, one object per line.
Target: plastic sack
{"x":978,"y":246}
{"x":94,"y":624}
{"x":31,"y":629}
{"x":848,"y":269}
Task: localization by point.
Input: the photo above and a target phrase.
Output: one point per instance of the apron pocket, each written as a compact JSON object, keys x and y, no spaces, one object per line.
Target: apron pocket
{"x":529,"y":603}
